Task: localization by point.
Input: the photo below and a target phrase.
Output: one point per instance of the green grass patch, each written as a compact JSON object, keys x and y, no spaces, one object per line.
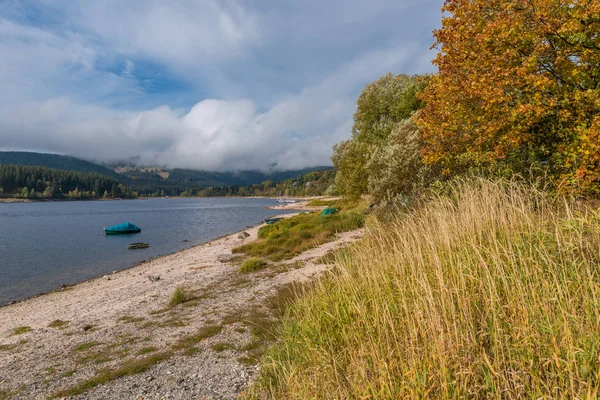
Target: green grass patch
{"x":188,"y":343}
{"x":180,"y":295}
{"x":68,"y":373}
{"x":7,"y":347}
{"x":86,"y":346}
{"x":342,"y":204}
{"x":146,"y":350}
{"x":291,"y":236}
{"x":220,"y":347}
{"x":106,"y":375}
{"x":128,"y":319}
{"x":174,"y":321}
{"x":57,"y":323}
{"x":159,"y":311}
{"x":251,"y":265}
{"x":19,"y":330}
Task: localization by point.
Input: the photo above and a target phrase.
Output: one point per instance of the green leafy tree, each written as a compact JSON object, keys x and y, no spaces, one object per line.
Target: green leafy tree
{"x":380,"y":107}
{"x":396,"y":169}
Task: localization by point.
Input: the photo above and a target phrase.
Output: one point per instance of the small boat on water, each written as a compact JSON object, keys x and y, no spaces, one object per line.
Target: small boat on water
{"x":120,"y":229}
{"x":134,"y":246}
{"x":270,"y":221}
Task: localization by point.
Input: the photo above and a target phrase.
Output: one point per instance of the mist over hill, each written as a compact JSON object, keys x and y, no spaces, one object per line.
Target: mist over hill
{"x":146,"y":180}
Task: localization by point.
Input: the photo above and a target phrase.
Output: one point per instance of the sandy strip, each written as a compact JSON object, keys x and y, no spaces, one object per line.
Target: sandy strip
{"x":302,"y":205}
{"x":126,"y":313}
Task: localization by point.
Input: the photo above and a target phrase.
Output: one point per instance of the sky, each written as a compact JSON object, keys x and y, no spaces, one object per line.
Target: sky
{"x":202,"y":84}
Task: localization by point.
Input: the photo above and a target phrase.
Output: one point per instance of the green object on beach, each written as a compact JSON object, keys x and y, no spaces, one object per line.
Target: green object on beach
{"x":270,"y":221}
{"x":329,"y":211}
{"x":134,"y":246}
{"x":123,"y":228}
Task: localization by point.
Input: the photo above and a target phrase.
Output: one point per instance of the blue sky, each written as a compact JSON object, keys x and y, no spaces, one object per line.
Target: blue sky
{"x":208,"y":84}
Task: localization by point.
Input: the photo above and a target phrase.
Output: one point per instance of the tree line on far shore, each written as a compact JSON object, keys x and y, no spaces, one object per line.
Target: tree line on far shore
{"x":314,"y":183}
{"x":37,"y":183}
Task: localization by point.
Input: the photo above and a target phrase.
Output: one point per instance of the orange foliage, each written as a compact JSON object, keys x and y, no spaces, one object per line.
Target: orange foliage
{"x":518,"y":85}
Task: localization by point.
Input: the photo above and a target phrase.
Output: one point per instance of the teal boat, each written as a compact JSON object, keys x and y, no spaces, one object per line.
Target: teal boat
{"x":124,"y":228}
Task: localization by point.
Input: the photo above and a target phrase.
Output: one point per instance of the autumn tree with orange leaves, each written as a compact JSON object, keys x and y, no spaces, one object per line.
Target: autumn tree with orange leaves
{"x":518,"y":87}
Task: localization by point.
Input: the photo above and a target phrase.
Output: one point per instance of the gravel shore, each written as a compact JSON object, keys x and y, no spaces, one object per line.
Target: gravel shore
{"x":122,"y":326}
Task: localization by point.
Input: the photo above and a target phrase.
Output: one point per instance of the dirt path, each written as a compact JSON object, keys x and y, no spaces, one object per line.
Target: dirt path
{"x":113,"y":326}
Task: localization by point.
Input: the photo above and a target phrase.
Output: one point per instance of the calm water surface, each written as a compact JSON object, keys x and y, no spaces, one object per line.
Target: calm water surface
{"x":45,"y":245}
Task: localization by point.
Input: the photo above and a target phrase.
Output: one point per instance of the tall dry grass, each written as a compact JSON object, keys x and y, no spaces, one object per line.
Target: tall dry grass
{"x":489,"y":291}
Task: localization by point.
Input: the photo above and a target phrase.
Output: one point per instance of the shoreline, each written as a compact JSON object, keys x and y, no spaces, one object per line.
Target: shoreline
{"x":19,"y":200}
{"x":113,"y":320}
{"x":300,"y":206}
{"x":140,"y":263}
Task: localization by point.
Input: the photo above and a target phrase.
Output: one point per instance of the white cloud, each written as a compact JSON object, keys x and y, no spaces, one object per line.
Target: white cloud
{"x":183,"y":34}
{"x":214,"y":134}
{"x":36,"y":64}
{"x":274,"y":84}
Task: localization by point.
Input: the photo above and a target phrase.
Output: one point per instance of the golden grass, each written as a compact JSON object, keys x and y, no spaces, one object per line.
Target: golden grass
{"x":489,"y":291}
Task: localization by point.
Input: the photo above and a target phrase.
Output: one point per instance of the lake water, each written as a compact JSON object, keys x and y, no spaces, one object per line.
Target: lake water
{"x":45,"y":245}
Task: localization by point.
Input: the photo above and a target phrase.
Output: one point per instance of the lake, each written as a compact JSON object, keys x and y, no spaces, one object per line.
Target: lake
{"x":44,"y":245}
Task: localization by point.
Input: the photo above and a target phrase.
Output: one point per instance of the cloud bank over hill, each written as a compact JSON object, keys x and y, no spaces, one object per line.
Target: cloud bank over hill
{"x":204,"y":85}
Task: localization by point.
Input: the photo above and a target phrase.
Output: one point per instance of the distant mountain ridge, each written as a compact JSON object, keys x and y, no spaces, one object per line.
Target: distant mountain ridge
{"x":55,"y":161}
{"x":148,"y":179}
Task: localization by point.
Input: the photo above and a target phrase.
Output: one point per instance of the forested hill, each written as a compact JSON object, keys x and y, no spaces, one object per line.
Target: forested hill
{"x":32,"y":182}
{"x":55,"y":161}
{"x":149,"y":181}
{"x":146,"y":179}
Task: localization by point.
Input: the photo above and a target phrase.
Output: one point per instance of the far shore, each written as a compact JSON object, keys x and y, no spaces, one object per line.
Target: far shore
{"x":18,"y":200}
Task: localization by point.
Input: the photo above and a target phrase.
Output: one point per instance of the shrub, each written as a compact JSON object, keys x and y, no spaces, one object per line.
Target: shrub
{"x":395,"y":169}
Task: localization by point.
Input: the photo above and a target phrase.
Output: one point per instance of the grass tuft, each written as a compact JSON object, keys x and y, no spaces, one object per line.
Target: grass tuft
{"x":180,"y":296}
{"x":146,"y":350}
{"x":251,"y":265}
{"x":128,"y":319}
{"x":105,"y":375}
{"x":220,"y":347}
{"x":86,"y":346}
{"x":68,"y":373}
{"x":188,"y":343}
{"x":487,"y":291}
{"x":19,"y":330}
{"x":57,"y":323}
